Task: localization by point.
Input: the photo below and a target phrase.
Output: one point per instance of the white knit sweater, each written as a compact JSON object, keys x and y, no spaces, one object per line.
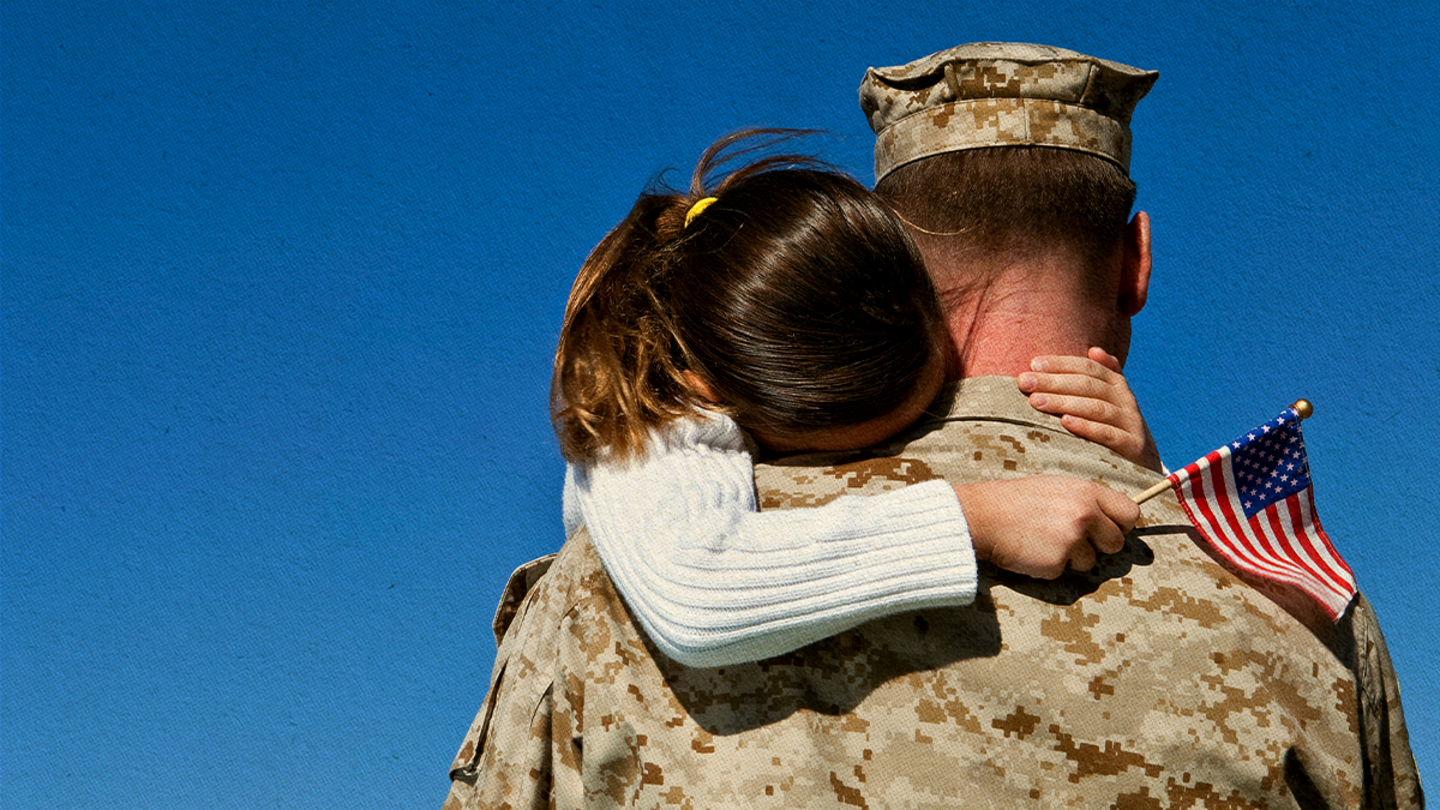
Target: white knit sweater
{"x":714,"y":581}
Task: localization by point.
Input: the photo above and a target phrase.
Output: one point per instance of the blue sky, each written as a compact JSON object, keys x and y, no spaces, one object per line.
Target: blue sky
{"x":281,"y":283}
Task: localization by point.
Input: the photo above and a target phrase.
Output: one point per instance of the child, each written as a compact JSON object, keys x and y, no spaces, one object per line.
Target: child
{"x":786,"y":309}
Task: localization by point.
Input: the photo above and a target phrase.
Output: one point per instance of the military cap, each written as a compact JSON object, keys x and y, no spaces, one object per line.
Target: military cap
{"x":987,"y":94}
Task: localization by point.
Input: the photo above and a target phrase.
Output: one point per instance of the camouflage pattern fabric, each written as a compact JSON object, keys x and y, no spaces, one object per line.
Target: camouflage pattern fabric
{"x":1158,"y":680}
{"x":986,"y":94}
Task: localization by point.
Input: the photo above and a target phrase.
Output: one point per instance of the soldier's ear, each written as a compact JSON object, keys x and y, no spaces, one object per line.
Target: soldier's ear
{"x":1135,"y":270}
{"x":700,"y":386}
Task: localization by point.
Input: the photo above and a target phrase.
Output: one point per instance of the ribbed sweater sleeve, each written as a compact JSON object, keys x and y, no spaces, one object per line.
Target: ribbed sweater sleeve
{"x":714,"y":581}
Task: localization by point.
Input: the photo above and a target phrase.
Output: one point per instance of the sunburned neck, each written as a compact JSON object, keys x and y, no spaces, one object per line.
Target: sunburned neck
{"x":998,"y":332}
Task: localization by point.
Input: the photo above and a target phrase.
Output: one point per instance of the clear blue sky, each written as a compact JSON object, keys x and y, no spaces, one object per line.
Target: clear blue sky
{"x":281,"y":282}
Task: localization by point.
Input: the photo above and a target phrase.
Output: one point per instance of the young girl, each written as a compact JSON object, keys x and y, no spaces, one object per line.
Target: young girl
{"x":784,"y":309}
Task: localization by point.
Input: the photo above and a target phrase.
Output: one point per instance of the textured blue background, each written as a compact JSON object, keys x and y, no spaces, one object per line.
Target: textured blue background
{"x":281,"y":281}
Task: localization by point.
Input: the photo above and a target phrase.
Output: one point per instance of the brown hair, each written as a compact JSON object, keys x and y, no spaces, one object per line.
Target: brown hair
{"x":797,"y":297}
{"x":999,"y":198}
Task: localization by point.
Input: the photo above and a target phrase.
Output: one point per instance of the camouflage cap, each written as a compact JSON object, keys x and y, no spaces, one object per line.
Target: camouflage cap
{"x":988,"y":94}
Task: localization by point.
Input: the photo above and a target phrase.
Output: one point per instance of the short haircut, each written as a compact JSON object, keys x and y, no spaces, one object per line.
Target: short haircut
{"x":1000,"y":198}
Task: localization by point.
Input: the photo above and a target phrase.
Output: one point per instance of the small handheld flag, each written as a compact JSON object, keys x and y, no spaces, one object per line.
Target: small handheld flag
{"x":1252,"y":501}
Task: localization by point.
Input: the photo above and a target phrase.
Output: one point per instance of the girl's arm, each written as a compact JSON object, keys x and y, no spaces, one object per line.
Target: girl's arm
{"x":1093,"y":401}
{"x":714,"y":581}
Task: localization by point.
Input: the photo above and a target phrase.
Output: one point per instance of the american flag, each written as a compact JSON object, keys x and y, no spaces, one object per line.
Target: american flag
{"x":1252,"y":501}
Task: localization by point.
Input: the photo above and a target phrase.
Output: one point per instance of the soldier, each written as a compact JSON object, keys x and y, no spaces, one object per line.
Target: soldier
{"x":1160,"y":678}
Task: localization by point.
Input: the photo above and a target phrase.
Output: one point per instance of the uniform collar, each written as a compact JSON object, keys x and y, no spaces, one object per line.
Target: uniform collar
{"x":986,"y":399}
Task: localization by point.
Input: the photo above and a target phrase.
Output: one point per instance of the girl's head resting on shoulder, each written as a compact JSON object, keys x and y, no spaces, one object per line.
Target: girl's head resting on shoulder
{"x":793,"y":301}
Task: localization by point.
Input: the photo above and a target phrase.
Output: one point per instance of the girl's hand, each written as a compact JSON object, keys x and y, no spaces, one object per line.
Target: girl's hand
{"x":1093,"y":401}
{"x":1041,"y":525}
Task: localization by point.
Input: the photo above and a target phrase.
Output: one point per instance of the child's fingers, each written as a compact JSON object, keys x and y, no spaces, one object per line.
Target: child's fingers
{"x":1073,"y":376}
{"x":1090,"y":400}
{"x":1074,"y":393}
{"x":1104,"y":358}
{"x":1128,"y":443}
{"x":1119,"y":509}
{"x":1115,"y":515}
{"x":1084,"y":406}
{"x":1067,"y":364}
{"x":1082,"y":557}
{"x":1116,"y":437}
{"x":1075,"y":385}
{"x":1083,"y":387}
{"x":1104,"y":538}
{"x":1093,"y":400}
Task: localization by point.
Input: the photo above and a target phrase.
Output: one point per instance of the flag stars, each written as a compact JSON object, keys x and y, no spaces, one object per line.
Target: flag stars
{"x":1268,"y":464}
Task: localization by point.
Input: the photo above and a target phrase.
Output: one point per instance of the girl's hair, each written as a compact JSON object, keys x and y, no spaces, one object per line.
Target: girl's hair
{"x":796,"y":295}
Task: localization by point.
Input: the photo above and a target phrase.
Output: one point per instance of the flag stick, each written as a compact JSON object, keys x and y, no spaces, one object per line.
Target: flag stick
{"x":1301,"y":406}
{"x":1159,"y":487}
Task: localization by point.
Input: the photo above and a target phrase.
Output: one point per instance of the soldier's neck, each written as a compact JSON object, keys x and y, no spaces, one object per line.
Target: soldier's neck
{"x":999,"y":331}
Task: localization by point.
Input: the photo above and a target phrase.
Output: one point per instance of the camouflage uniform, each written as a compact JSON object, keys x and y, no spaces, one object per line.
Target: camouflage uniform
{"x":1158,"y":680}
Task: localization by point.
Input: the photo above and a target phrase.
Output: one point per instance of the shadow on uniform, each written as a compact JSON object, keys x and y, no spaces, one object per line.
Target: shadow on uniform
{"x":832,"y":677}
{"x":1074,"y":585}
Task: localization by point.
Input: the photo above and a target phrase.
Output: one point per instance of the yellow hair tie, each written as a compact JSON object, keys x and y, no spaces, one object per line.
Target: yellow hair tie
{"x":700,"y":205}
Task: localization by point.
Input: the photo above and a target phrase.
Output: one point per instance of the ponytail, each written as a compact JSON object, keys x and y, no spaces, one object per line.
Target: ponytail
{"x":618,"y":365}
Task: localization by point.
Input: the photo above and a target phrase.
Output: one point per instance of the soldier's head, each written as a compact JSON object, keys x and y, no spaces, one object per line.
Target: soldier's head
{"x":995,"y":154}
